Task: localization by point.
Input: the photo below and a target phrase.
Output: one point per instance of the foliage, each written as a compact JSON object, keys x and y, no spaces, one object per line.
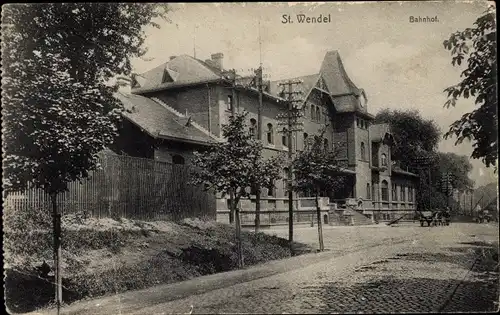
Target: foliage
{"x":479,"y":81}
{"x":317,"y":169}
{"x":235,"y":164}
{"x":414,"y":136}
{"x":58,"y":110}
{"x":458,"y":166}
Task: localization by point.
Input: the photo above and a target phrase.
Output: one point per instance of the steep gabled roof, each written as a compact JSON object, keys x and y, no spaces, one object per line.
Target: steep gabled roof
{"x":380,"y":132}
{"x":159,"y":122}
{"x":336,"y":78}
{"x":343,"y":92}
{"x":183,"y":70}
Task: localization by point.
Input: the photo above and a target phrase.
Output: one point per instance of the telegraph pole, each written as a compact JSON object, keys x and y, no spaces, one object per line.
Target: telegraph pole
{"x":258,"y":78}
{"x":446,"y":184}
{"x":259,"y":82}
{"x":290,"y":119}
{"x":425,"y":163}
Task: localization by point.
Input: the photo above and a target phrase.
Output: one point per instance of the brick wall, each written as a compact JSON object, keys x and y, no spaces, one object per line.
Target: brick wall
{"x":198,"y":101}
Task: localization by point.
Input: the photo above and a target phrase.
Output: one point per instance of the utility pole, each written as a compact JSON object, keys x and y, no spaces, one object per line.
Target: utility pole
{"x":258,"y":78}
{"x":471,"y":200}
{"x":425,"y":163}
{"x":290,"y":119}
{"x":231,"y":77}
{"x":446,"y":184}
{"x":259,"y":82}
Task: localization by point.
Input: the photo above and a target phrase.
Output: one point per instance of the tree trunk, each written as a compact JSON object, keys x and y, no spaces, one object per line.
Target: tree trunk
{"x":257,"y":210}
{"x":231,"y":207}
{"x":56,"y":216}
{"x":239,"y":248}
{"x":320,"y":226}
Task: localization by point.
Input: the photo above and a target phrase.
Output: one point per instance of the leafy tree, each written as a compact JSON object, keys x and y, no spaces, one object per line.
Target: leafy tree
{"x":478,"y":44}
{"x":416,"y":139}
{"x":58,"y":110}
{"x":316,"y":169}
{"x":232,"y":166}
{"x":414,"y":136}
{"x":458,"y":167}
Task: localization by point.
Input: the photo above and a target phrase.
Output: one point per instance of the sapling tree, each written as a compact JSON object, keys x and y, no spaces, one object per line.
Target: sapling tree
{"x":58,"y":108}
{"x":232,"y":166}
{"x":317,"y":169}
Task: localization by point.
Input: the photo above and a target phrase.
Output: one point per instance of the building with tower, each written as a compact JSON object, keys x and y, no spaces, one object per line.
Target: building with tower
{"x":180,"y":106}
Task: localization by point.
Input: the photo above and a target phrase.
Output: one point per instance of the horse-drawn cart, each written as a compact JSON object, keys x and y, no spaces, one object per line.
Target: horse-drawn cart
{"x":434,"y":218}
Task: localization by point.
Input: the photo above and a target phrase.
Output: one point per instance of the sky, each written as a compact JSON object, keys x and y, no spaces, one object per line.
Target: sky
{"x":400,"y":65}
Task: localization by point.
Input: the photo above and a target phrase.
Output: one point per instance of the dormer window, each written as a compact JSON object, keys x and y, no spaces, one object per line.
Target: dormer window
{"x":166,"y":77}
{"x":383,"y":159}
{"x":362,"y":101}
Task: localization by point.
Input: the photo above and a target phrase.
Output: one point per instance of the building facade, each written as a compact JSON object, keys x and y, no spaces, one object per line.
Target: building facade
{"x":180,"y":106}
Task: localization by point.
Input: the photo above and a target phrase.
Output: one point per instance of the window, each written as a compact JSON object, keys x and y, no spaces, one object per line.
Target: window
{"x":230,"y":102}
{"x":177,"y":159}
{"x":253,"y":124}
{"x":358,"y":123}
{"x":325,"y":145}
{"x":410,"y":194}
{"x":384,"y":159}
{"x":403,"y":193}
{"x":271,"y":189}
{"x":385,"y":191}
{"x":368,"y":192}
{"x":313,"y":113}
{"x":305,"y":140}
{"x":318,"y":114}
{"x":284,"y":138}
{"x":363,"y":151}
{"x":394,"y":192}
{"x":270,"y":134}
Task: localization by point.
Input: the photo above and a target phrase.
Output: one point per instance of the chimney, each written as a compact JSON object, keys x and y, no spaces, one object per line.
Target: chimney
{"x":217,"y":60}
{"x":172,"y":57}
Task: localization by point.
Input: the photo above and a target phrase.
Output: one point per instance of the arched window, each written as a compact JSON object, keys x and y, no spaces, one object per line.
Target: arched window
{"x":363,"y":151}
{"x":313,"y":112}
{"x":385,"y":191}
{"x":318,"y":114}
{"x":325,"y":145}
{"x":253,"y":124}
{"x":384,"y":159}
{"x":368,"y":192}
{"x":270,"y":134}
{"x":177,"y":159}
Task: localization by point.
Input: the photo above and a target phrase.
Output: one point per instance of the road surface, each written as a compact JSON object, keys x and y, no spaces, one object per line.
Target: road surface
{"x":376,"y":269}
